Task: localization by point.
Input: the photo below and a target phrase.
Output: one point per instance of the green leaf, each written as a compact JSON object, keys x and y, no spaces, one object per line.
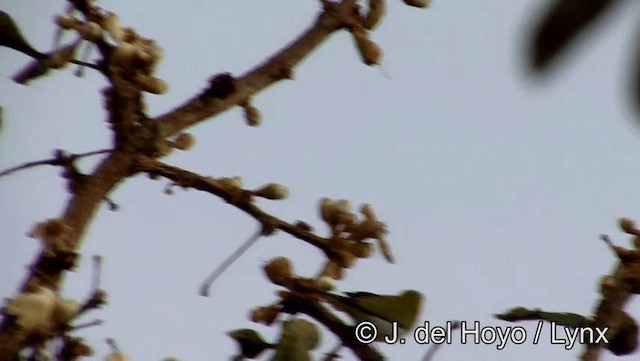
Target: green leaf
{"x":560,"y":25}
{"x":11,"y":37}
{"x":297,"y":338}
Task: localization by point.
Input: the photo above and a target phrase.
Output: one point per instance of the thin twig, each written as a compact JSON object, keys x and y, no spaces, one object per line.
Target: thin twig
{"x":206,"y":285}
{"x":52,"y":161}
{"x":86,"y":64}
{"x":193,"y":180}
{"x":606,"y":240}
{"x":87,"y":324}
{"x":265,"y":74}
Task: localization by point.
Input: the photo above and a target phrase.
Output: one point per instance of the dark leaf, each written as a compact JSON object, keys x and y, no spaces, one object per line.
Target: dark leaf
{"x":11,"y":37}
{"x":560,"y":25}
{"x":250,"y":342}
{"x":571,"y":320}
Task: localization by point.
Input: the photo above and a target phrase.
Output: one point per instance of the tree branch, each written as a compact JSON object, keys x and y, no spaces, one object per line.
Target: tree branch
{"x":274,"y":69}
{"x":81,"y":209}
{"x":239,"y":198}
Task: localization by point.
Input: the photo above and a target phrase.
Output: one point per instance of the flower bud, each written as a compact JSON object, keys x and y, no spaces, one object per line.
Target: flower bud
{"x":328,"y":211}
{"x":272,"y":191}
{"x":343,"y":206}
{"x":67,"y":21}
{"x":627,"y":225}
{"x":91,"y":31}
{"x":279,"y":271}
{"x":333,"y":270}
{"x":151,"y":84}
{"x":346,"y":259}
{"x":33,"y":310}
{"x":362,"y":249}
{"x":111,"y":24}
{"x":377,"y":10}
{"x":124,"y":55}
{"x":65,"y":310}
{"x":326,"y":283}
{"x":370,"y":53}
{"x":265,"y":315}
{"x":252,"y":115}
{"x":61,"y":58}
{"x":184,"y":141}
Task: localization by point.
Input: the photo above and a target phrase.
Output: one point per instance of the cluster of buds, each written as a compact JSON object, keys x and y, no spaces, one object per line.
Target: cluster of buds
{"x":40,"y":311}
{"x":349,"y":238}
{"x":132,"y":54}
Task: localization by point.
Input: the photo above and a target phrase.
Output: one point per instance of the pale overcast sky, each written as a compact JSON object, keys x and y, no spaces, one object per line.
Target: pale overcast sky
{"x":495,"y":188}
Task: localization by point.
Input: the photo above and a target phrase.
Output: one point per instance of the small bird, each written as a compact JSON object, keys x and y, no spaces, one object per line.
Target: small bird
{"x":382,"y":311}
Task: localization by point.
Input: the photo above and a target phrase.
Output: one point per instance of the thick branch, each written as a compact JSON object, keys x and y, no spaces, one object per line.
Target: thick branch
{"x":202,"y":107}
{"x":81,"y":209}
{"x":185,"y":178}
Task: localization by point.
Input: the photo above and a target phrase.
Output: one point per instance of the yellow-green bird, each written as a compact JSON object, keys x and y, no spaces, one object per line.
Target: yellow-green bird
{"x":382,"y":311}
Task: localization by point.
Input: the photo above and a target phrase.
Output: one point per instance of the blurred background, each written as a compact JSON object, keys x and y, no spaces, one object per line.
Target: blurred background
{"x":494,"y":182}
